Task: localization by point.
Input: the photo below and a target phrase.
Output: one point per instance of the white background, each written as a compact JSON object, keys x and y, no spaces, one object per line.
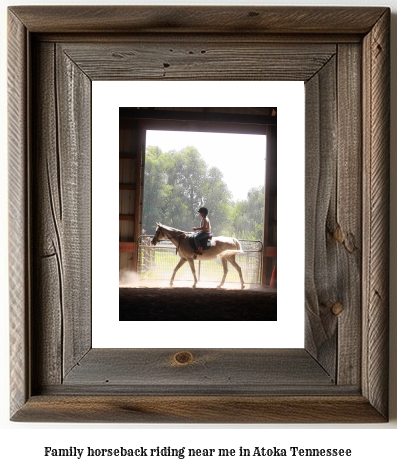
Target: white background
{"x":23,"y":444}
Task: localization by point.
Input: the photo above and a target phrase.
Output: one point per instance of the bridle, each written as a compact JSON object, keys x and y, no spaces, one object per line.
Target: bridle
{"x":155,"y":238}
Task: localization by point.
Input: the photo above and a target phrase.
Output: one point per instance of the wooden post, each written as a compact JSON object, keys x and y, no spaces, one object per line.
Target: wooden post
{"x":140,"y":145}
{"x":269,"y":222}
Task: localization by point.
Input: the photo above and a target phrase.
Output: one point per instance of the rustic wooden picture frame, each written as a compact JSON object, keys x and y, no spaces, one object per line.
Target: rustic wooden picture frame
{"x":342,"y":54}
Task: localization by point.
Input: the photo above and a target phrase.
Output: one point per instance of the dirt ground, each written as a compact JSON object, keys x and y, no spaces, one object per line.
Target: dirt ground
{"x":198,"y":304}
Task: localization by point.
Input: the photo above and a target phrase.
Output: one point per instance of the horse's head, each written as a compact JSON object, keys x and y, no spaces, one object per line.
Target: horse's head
{"x":158,"y":236}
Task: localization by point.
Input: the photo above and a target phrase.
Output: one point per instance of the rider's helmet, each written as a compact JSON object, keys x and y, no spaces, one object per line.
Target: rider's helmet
{"x":203,"y":211}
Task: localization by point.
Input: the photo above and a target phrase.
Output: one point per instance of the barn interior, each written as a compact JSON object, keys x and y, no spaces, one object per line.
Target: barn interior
{"x":142,"y":301}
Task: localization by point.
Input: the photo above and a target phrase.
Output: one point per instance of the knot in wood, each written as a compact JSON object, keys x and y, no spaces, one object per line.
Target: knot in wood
{"x":338,"y":235}
{"x":337,"y":308}
{"x":183,"y":358}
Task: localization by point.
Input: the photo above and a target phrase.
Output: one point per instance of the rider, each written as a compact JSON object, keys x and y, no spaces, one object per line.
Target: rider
{"x":205,"y":229}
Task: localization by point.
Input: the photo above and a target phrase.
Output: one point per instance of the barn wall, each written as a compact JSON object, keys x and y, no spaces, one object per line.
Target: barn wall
{"x":128,"y":177}
{"x":134,"y":121}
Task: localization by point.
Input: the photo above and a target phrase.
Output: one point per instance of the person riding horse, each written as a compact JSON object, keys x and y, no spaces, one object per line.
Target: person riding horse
{"x":226,"y":248}
{"x":205,"y":230}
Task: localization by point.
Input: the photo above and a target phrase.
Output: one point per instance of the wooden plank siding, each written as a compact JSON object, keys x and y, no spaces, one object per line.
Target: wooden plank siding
{"x":128,"y":153}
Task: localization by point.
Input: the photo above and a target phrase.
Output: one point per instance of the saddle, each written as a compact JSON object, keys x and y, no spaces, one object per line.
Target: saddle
{"x":205,"y":242}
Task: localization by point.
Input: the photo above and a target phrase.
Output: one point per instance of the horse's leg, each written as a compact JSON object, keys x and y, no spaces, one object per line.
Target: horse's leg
{"x":180,"y":263}
{"x":192,"y":267}
{"x":232,"y":260}
{"x":225,"y":270}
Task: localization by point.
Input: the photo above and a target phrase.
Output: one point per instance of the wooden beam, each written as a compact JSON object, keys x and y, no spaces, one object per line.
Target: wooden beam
{"x":127,"y":156}
{"x":126,"y":217}
{"x":127,"y":247}
{"x":270,"y":252}
{"x":203,"y":126}
{"x":198,"y":116}
{"x":270,"y":192}
{"x":127,"y":186}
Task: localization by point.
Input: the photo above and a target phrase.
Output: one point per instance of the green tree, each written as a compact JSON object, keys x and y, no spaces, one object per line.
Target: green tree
{"x":187,"y":177}
{"x":156,"y":188}
{"x":248,"y":215}
{"x":217,"y":197}
{"x":177,"y":184}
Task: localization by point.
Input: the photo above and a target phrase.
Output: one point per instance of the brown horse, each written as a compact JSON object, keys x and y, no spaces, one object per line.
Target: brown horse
{"x":225,"y":248}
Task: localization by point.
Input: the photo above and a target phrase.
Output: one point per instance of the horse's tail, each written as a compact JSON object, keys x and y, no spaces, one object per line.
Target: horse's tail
{"x":227,"y":253}
{"x":239,"y":249}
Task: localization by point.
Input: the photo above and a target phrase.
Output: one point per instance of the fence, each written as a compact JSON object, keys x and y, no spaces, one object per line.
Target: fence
{"x":158,"y":263}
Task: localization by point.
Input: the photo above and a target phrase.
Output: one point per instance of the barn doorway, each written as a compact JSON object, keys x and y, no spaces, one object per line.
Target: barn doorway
{"x":187,"y":170}
{"x":233,"y":146}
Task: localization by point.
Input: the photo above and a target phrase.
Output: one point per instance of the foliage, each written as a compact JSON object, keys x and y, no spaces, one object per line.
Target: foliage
{"x":248,"y":215}
{"x":178,"y":183}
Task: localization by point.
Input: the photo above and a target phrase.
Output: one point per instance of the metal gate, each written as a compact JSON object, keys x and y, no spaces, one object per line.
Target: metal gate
{"x":158,"y":263}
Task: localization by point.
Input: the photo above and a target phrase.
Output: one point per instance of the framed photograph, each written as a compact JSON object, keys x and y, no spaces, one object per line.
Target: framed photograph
{"x":342,"y":56}
{"x":229,"y":134}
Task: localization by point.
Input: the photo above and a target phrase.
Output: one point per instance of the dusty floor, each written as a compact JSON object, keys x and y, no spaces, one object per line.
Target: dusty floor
{"x":199,"y":304}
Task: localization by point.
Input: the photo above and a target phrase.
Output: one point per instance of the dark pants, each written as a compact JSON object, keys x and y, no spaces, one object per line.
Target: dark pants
{"x":198,"y":237}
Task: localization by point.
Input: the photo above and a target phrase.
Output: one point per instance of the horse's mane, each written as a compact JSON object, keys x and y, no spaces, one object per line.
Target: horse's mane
{"x":173,"y":229}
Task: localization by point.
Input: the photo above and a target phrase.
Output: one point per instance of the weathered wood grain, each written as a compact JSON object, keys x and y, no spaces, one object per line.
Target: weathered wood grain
{"x":158,"y":369}
{"x":62,"y":208}
{"x":59,"y":205}
{"x":47,"y":292}
{"x":321,"y":260}
{"x":222,"y":59}
{"x":347,"y":229}
{"x":198,"y":19}
{"x":73,"y":108}
{"x":376,"y":105}
{"x":19,"y":223}
{"x":199,"y":409}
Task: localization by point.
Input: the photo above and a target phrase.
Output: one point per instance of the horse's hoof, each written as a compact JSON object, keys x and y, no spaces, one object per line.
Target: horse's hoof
{"x":243,"y":287}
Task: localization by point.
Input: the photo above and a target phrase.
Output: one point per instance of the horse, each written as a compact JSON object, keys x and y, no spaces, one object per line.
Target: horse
{"x":225,"y":248}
